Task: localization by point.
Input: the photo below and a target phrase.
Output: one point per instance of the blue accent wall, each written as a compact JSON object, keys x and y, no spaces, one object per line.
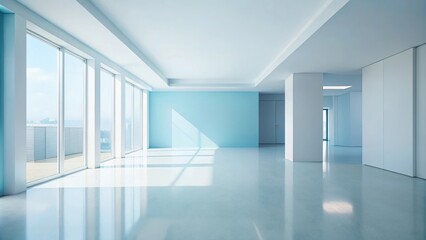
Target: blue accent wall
{"x":203,"y":119}
{"x":1,"y":107}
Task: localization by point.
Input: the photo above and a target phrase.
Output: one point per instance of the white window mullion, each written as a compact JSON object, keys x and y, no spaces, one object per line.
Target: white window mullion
{"x":113,"y":130}
{"x":61,"y":129}
{"x":85,"y":123}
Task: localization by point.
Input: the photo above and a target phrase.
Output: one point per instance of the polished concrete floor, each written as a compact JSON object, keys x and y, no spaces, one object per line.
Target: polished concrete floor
{"x":226,"y":193}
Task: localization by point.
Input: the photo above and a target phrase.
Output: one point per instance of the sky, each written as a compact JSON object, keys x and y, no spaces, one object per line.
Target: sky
{"x":41,"y":80}
{"x":42,"y":86}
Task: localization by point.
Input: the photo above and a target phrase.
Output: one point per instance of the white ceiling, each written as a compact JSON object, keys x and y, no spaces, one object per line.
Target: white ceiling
{"x":210,"y":41}
{"x":248,"y":45}
{"x":361,"y":33}
{"x":72,"y":17}
{"x":353,"y":80}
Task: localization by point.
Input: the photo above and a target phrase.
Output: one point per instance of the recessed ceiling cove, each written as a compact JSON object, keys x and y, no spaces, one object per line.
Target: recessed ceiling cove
{"x":215,"y":42}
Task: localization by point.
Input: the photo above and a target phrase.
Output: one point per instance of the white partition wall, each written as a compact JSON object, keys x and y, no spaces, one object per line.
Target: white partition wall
{"x":398,"y":113}
{"x":372,"y":115}
{"x":303,"y":117}
{"x":421,"y":112}
{"x":348,"y":119}
{"x":388,"y":114}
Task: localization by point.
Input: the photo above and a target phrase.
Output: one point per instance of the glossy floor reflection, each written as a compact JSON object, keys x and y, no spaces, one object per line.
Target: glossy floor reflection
{"x":250,"y":193}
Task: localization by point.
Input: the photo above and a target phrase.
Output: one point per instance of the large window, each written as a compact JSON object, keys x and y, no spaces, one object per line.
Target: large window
{"x":137,"y":116}
{"x":74,"y":108}
{"x":107,"y":115}
{"x":133,"y":118}
{"x":129,"y":117}
{"x":42,"y":109}
{"x":46,"y":89}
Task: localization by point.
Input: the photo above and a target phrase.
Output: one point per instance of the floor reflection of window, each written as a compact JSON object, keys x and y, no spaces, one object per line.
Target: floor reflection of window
{"x":106,"y":210}
{"x":74,"y":213}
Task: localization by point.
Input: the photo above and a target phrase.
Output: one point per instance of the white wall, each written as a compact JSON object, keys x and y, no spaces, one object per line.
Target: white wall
{"x":372,"y":115}
{"x":388,"y":110}
{"x":398,"y":113}
{"x":342,"y":120}
{"x":327,"y":101}
{"x":421,"y":112}
{"x":356,"y":118}
{"x":303,"y":117}
{"x":347,"y":119}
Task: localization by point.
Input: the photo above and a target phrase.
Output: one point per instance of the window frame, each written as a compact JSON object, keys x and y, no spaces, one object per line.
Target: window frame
{"x":135,"y":87}
{"x":60,"y":140}
{"x":84,"y":60}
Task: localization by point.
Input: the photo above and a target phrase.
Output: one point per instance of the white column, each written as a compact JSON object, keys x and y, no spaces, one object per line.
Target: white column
{"x":120,"y":116}
{"x":303,"y":117}
{"x":14,"y":100}
{"x":93,"y":113}
{"x":145,"y":119}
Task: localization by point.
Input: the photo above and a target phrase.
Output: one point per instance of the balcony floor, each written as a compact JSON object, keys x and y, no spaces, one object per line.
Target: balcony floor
{"x":40,"y":169}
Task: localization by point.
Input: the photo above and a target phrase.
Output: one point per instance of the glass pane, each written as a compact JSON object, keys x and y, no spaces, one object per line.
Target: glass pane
{"x":107,"y":114}
{"x":42,"y":109}
{"x":74,"y":70}
{"x":138,"y":119}
{"x":129,"y":117}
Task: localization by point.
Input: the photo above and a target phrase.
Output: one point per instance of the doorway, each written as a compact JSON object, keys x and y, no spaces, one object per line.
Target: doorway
{"x":271,"y":121}
{"x":325,"y":124}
